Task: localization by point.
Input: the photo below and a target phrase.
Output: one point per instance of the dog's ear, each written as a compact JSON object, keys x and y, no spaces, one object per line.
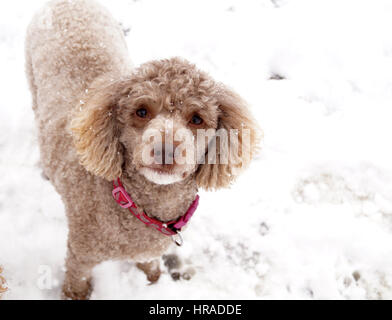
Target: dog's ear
{"x":243,"y":139}
{"x":96,"y":131}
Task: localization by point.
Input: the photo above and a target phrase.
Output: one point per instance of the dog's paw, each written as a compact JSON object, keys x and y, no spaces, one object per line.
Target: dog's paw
{"x":71,"y":295}
{"x":79,"y":293}
{"x":177,"y":269}
{"x":151,"y":270}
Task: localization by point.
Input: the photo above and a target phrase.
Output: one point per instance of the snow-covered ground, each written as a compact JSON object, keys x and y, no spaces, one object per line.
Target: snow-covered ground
{"x":311,"y":218}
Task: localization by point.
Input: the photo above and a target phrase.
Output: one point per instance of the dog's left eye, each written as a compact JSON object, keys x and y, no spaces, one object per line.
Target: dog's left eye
{"x":196,"y":120}
{"x":142,"y":113}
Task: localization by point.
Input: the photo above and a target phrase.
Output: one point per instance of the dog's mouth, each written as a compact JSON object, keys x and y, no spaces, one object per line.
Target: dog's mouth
{"x":161,"y":174}
{"x":162,"y":168}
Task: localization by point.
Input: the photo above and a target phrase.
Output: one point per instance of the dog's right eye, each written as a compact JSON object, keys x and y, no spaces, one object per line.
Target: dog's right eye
{"x":142,"y":113}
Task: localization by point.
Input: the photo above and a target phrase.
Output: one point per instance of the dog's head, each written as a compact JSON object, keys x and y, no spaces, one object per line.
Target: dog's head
{"x":168,"y":121}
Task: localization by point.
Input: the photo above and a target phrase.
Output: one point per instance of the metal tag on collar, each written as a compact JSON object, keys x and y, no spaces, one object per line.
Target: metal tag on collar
{"x":177,"y":239}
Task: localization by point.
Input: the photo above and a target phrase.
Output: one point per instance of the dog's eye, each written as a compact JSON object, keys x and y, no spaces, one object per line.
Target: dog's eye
{"x":196,"y":120}
{"x":142,"y":113}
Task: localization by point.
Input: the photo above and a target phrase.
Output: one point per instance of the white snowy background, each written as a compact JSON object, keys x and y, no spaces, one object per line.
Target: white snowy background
{"x":311,"y":218}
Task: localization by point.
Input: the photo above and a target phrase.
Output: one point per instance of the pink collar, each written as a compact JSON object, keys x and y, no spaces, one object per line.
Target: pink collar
{"x":171,"y":228}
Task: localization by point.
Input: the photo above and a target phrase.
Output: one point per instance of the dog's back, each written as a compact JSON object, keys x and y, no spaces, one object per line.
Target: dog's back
{"x":68,"y":45}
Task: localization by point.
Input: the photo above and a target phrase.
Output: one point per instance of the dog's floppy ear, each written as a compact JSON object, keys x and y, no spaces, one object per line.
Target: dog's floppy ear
{"x":234,"y":117}
{"x":96,"y":132}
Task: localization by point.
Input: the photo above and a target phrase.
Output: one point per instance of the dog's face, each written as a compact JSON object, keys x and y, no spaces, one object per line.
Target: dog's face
{"x":160,"y":118}
{"x":162,"y":121}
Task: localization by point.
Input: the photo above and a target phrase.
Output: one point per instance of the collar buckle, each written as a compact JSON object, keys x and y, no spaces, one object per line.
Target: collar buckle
{"x":122,"y":197}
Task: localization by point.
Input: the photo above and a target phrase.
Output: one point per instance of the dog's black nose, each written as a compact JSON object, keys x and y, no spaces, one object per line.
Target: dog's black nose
{"x":164,"y":153}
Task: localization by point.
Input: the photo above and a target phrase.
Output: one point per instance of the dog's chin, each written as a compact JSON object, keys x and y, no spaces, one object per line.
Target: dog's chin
{"x":162,"y":178}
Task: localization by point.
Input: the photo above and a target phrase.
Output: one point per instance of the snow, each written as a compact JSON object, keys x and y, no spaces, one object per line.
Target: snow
{"x":310,"y":219}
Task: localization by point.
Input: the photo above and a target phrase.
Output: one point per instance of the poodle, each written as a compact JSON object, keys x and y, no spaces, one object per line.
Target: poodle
{"x":94,"y":112}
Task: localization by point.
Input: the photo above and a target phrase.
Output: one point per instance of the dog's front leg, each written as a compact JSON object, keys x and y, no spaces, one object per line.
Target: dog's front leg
{"x":77,"y":282}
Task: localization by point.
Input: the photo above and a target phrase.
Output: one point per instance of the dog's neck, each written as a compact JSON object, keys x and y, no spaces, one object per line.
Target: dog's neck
{"x":163,"y":202}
